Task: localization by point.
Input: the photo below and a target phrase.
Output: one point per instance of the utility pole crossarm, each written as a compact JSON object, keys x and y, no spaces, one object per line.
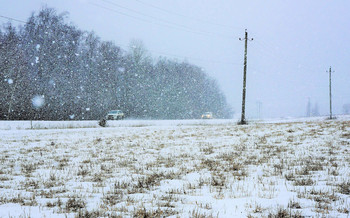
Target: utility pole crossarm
{"x":243,"y":121}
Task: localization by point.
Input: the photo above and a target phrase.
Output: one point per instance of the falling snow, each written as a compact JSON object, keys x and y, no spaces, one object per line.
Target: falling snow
{"x":38,"y":101}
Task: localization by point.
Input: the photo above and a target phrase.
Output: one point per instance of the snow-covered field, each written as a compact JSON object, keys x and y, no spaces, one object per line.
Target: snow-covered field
{"x":22,"y":125}
{"x":198,"y":168}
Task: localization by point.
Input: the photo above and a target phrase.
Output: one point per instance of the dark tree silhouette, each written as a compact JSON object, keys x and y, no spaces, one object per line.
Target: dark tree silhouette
{"x":51,"y":70}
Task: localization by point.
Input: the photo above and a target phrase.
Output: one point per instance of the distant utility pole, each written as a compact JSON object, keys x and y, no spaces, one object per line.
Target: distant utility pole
{"x":330,"y":92}
{"x":243,"y":121}
{"x":259,"y":105}
{"x":308,"y":108}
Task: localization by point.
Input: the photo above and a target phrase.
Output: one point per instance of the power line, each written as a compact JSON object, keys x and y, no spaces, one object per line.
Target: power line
{"x":185,"y":57}
{"x":199,"y":59}
{"x":165,"y":23}
{"x":13,"y":19}
{"x":187,"y":17}
{"x":268,"y":50}
{"x":158,"y":52}
{"x":157,"y":18}
{"x":184,"y":28}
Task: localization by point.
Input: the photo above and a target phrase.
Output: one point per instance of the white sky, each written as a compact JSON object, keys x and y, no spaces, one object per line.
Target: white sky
{"x":295,"y":43}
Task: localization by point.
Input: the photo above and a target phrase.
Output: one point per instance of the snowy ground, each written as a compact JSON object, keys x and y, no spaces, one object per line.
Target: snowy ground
{"x":198,"y":168}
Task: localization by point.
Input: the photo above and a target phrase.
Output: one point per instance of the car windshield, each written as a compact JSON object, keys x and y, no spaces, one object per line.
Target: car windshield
{"x":114,"y":112}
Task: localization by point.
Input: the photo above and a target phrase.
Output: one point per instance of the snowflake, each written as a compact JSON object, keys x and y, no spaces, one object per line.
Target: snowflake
{"x":38,"y":101}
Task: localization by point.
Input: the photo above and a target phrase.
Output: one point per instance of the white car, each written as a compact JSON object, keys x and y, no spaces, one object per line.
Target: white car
{"x":207,"y":115}
{"x":115,"y":115}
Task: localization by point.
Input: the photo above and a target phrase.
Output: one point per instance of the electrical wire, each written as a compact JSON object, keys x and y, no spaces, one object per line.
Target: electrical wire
{"x":153,"y":52}
{"x":13,"y":19}
{"x":198,"y":59}
{"x":188,"y":17}
{"x":158,"y":21}
{"x":268,"y":47}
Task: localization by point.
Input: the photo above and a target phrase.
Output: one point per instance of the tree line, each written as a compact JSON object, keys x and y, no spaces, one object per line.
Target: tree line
{"x":51,"y":70}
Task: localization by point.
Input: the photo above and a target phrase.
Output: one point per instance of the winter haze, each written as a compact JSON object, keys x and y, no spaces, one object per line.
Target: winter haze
{"x":295,"y":43}
{"x":174,"y":70}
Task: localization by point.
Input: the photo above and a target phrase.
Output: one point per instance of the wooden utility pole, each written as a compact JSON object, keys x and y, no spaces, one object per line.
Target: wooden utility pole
{"x":330,"y":92}
{"x":243,"y":121}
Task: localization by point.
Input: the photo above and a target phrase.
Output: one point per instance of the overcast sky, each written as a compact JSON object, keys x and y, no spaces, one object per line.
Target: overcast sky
{"x":295,"y":43}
